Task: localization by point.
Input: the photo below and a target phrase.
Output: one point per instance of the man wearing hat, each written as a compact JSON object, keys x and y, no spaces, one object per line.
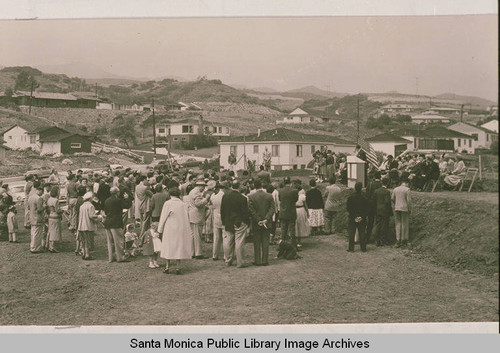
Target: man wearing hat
{"x":87,"y":224}
{"x":197,"y":203}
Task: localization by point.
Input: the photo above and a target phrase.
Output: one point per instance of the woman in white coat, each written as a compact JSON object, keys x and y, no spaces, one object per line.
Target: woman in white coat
{"x":177,"y":240}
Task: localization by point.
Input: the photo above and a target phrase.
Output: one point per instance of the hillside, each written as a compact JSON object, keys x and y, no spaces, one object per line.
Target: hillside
{"x":314,"y":91}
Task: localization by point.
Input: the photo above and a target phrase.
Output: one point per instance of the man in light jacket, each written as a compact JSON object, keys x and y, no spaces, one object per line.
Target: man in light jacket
{"x":401,"y":202}
{"x":197,"y":203}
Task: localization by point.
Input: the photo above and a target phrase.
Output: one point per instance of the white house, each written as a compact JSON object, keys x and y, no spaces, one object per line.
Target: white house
{"x":389,"y":144}
{"x":491,"y":125}
{"x":289,"y":149}
{"x":183,"y":130}
{"x":483,"y":138}
{"x":429,"y":118}
{"x":397,"y":109}
{"x":104,"y":106}
{"x":17,"y":138}
{"x":299,"y":116}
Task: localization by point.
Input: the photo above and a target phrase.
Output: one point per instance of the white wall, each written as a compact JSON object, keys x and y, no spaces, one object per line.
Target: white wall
{"x":464,"y":144}
{"x":50,"y":148}
{"x":17,"y":138}
{"x":484,"y":140}
{"x":287,"y":157}
{"x":104,"y":106}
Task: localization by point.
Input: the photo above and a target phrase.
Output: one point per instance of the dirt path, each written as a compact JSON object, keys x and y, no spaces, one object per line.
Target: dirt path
{"x":328,"y":285}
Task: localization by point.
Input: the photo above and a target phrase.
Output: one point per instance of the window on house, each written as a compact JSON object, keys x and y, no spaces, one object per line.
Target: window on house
{"x":176,"y":139}
{"x":475,"y":137}
{"x":10,"y":137}
{"x":185,"y":129}
{"x":32,"y":139}
{"x":295,"y":166}
{"x":487,"y":137}
{"x":299,"y":150}
{"x":233,"y":150}
{"x":470,"y":143}
{"x":183,"y":139}
{"x":220,"y":129}
{"x":255,"y":148}
{"x":161,"y":131}
{"x":275,"y":150}
{"x":75,"y":145}
{"x":459,"y":142}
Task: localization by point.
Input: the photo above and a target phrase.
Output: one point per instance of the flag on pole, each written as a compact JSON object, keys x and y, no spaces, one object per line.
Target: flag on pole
{"x":371,"y":156}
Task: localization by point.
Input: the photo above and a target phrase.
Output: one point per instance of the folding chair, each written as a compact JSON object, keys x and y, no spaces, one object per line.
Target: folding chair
{"x":470,"y":175}
{"x":431,"y":184}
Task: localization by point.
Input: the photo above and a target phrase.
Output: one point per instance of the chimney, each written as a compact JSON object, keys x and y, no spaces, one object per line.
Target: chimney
{"x":258,"y":132}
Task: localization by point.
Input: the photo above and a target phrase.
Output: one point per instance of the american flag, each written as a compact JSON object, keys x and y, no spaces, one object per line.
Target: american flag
{"x":371,"y":156}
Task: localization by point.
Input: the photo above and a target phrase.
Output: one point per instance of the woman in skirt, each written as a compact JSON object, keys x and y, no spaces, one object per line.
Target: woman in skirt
{"x":315,"y":205}
{"x":302,"y":228}
{"x":54,"y":212}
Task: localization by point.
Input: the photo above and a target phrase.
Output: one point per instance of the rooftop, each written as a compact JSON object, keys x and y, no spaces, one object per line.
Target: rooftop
{"x":387,"y":137}
{"x":287,"y":135}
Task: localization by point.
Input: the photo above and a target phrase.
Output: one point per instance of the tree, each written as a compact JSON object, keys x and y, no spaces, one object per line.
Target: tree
{"x":124,"y":129}
{"x":24,"y":81}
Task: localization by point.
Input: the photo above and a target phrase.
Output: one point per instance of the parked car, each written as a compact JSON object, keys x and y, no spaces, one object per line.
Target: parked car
{"x":17,"y":192}
{"x":42,"y":172}
{"x":115,"y":167}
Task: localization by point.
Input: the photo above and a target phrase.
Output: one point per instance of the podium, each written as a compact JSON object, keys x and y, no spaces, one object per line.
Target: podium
{"x":355,"y":171}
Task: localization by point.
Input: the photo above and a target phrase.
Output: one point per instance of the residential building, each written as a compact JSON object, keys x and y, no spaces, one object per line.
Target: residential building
{"x":56,"y":100}
{"x":491,"y":125}
{"x":64,"y":143}
{"x":389,"y":144}
{"x":289,"y":149}
{"x":299,"y":116}
{"x":183,"y":131}
{"x":393,"y":109}
{"x":437,"y":139}
{"x":429,"y":119}
{"x":482,"y":138}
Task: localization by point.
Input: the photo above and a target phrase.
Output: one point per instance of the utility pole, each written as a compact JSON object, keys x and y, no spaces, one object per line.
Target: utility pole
{"x":154,"y":128}
{"x":96,"y":91}
{"x":31,"y":95}
{"x":461,"y":113}
{"x":244,"y":153}
{"x":357,"y":135}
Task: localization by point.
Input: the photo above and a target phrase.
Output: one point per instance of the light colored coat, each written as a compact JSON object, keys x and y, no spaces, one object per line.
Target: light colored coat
{"x":332,"y":194}
{"x":177,"y":239}
{"x":216,"y":201}
{"x":87,"y":217}
{"x":35,"y":204}
{"x":401,"y":198}
{"x":196,"y":206}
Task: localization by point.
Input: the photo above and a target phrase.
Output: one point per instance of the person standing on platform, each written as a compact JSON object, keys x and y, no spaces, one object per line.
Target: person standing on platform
{"x":261,"y":208}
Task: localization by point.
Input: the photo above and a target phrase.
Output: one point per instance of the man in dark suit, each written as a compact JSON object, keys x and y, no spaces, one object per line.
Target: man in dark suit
{"x":288,"y":196}
{"x":373,"y":185}
{"x":235,"y":219}
{"x":261,"y":207}
{"x":383,"y":211}
{"x":358,"y":211}
{"x":113,"y":209}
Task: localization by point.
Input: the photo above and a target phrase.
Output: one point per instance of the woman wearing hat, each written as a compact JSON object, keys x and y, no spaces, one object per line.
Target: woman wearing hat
{"x":87,"y":224}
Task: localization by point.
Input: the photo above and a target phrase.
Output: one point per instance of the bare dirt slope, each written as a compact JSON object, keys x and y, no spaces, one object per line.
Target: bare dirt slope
{"x":328,"y":285}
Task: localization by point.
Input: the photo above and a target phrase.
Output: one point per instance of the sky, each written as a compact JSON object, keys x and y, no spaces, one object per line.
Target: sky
{"x":409,"y":54}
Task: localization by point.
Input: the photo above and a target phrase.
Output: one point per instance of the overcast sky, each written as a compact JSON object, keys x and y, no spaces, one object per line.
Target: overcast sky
{"x":431,"y":55}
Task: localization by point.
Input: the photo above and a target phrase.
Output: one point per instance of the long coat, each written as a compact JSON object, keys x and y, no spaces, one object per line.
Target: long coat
{"x":174,"y":224}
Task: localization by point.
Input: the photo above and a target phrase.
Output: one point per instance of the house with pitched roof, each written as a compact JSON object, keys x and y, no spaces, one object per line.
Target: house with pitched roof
{"x":289,"y":149}
{"x":389,"y":144}
{"x":483,"y":138}
{"x":437,"y":139}
{"x":491,"y":125}
{"x":299,"y":116}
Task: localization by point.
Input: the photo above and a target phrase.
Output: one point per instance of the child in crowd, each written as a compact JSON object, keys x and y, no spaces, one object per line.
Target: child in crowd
{"x":12,"y":224}
{"x":151,"y":245}
{"x":130,"y":240}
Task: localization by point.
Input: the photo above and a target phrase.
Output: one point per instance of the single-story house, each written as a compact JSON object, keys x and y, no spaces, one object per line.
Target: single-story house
{"x":491,"y":125}
{"x":56,"y":100}
{"x":483,"y":138}
{"x":437,"y":139}
{"x":389,"y":144}
{"x":429,"y":119}
{"x":289,"y":149}
{"x":392,"y":109}
{"x":64,"y":143}
{"x":299,"y":116}
{"x":183,"y":131}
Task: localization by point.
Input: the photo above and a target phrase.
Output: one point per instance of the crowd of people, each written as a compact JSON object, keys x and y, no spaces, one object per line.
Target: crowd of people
{"x":170,"y":214}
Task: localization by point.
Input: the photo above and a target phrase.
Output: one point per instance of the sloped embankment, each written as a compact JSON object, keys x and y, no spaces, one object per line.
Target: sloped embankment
{"x":455,"y":229}
{"x":458,"y":230}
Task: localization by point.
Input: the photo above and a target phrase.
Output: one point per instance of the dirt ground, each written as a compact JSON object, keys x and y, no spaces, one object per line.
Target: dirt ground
{"x":327,"y":285}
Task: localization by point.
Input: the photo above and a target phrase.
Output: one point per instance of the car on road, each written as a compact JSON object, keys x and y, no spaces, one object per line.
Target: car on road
{"x":42,"y":172}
